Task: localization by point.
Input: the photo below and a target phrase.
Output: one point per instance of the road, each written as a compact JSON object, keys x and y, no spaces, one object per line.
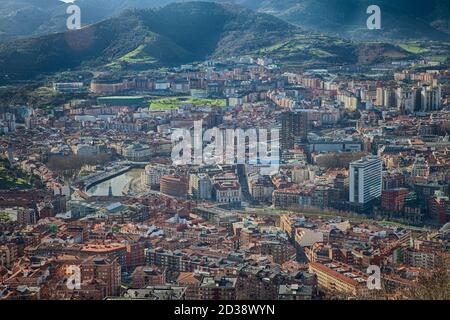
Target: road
{"x":277,"y":213}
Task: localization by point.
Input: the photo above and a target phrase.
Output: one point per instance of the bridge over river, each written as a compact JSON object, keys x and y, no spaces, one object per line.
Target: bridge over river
{"x":111,"y":172}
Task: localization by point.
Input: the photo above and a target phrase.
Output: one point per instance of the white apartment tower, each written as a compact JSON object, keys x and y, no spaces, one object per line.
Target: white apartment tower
{"x":365,"y":180}
{"x":200,"y":186}
{"x":431,"y":98}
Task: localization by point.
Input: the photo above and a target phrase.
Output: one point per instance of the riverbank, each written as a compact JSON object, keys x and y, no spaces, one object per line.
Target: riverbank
{"x":120,"y":185}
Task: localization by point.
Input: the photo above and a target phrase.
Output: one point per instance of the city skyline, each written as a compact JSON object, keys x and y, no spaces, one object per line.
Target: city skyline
{"x":214,"y":151}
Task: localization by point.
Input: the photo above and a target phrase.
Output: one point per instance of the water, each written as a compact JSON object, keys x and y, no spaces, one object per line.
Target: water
{"x":118,"y":184}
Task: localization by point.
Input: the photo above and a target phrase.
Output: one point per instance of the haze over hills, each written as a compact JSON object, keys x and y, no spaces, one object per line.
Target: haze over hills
{"x":23,"y":18}
{"x":181,"y":33}
{"x":171,"y":35}
{"x":401,"y":19}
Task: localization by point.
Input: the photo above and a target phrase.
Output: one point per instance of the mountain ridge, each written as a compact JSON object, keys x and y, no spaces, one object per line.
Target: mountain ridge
{"x":174,"y":34}
{"x":401,"y":19}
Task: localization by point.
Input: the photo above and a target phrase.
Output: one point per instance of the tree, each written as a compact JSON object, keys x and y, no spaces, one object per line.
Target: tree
{"x":434,"y":285}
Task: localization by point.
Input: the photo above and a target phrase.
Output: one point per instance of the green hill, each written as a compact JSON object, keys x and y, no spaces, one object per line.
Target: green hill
{"x":24,"y":18}
{"x":175,"y":34}
{"x":401,"y":19}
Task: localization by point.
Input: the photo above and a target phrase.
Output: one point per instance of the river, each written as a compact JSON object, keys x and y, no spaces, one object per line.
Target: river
{"x":118,"y":184}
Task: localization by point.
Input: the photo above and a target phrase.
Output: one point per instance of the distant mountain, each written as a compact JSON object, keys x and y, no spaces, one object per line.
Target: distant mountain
{"x":180,"y":33}
{"x":24,"y":18}
{"x":401,"y":19}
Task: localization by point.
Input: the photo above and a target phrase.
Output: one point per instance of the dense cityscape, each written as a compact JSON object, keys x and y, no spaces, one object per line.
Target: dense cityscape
{"x":94,"y":204}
